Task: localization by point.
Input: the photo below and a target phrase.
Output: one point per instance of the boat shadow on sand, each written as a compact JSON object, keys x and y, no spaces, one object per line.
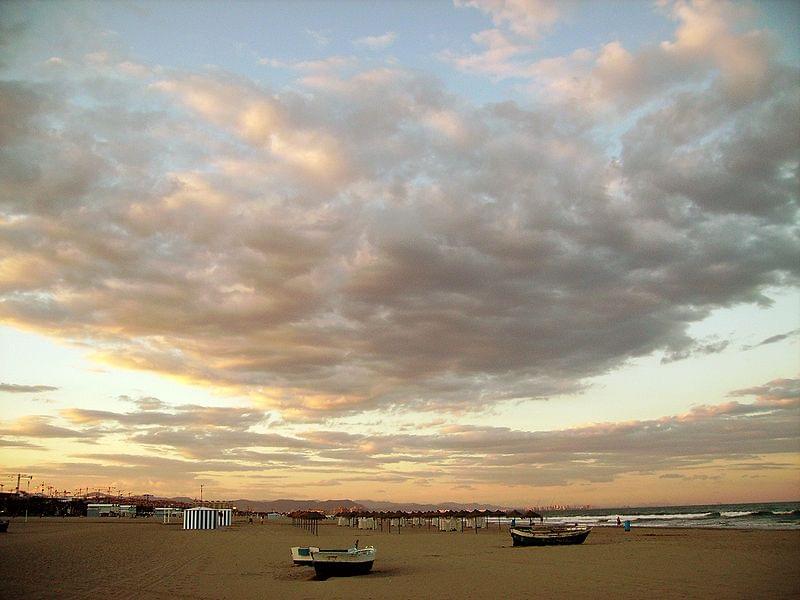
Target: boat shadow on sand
{"x":373,"y":574}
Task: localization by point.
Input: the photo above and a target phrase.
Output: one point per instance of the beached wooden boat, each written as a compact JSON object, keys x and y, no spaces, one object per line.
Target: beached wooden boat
{"x":549,"y":535}
{"x":301,"y":555}
{"x":339,"y":563}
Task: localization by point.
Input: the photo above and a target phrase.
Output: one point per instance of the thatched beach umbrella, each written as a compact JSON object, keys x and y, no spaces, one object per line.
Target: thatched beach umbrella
{"x":531,"y":515}
{"x":496,"y":514}
{"x":514,"y":514}
{"x":307,"y":519}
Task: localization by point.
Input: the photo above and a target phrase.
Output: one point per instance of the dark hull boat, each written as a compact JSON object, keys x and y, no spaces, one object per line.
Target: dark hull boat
{"x":545,"y":535}
{"x":343,"y":563}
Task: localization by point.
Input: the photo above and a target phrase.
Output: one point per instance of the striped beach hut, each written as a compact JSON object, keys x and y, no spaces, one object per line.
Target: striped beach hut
{"x":200,"y":518}
{"x":224,"y":517}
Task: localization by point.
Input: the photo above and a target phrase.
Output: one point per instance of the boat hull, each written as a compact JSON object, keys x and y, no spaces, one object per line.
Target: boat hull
{"x":325,"y":569}
{"x":343,"y":563}
{"x":549,"y":537}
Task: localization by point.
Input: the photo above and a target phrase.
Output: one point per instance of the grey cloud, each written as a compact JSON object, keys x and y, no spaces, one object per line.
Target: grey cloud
{"x":690,"y":477}
{"x":372,"y":241}
{"x":185,"y":415}
{"x":773,"y":339}
{"x":19,"y":444}
{"x":165,"y":465}
{"x":40,"y":426}
{"x":16,"y":388}
{"x":778,"y":390}
{"x":146,"y":402}
{"x":210,"y":444}
{"x":745,"y":435}
{"x":695,"y":349}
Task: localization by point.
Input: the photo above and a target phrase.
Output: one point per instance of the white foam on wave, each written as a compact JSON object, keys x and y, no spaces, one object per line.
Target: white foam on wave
{"x":734,"y":514}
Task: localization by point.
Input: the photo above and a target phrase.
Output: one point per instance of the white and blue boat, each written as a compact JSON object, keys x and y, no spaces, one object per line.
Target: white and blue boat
{"x":344,"y":562}
{"x":301,"y":555}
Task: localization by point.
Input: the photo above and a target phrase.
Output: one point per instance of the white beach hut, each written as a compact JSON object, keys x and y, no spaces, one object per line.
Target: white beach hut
{"x":476,"y":523}
{"x":200,"y":517}
{"x":224,"y":517}
{"x":450,"y":524}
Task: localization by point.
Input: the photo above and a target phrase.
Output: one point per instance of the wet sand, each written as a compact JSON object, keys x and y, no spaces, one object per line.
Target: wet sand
{"x":139,"y":558}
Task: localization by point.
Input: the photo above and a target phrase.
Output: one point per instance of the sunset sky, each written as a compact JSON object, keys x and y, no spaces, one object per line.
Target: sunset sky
{"x":510,"y":251}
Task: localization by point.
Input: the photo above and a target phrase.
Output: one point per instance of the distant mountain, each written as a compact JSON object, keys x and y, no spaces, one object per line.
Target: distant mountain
{"x":412,"y":506}
{"x":285,"y":505}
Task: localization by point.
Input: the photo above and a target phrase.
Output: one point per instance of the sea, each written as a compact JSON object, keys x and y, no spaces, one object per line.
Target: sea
{"x":769,"y":515}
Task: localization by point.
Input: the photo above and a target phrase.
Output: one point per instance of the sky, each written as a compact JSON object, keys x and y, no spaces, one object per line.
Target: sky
{"x":518,"y":252}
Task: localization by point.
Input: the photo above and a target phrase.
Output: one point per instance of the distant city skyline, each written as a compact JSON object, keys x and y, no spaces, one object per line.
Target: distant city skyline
{"x":517,"y":252}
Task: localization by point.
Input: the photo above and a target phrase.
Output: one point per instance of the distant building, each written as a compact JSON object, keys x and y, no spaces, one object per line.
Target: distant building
{"x":110,"y":510}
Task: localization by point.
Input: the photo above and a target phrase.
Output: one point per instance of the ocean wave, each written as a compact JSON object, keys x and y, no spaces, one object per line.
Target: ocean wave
{"x":742,"y":516}
{"x":735,"y":514}
{"x":762,"y":514}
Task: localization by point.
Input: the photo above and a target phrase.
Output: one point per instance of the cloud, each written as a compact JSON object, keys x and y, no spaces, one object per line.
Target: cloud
{"x":694,"y":349}
{"x":145,"y":403}
{"x":16,"y":388}
{"x":363,"y":238}
{"x":320,"y":37}
{"x":778,"y":390}
{"x":377,"y":42}
{"x":773,"y":339}
{"x":528,"y":18}
{"x":707,"y":43}
{"x":498,"y":58}
{"x":41,"y":427}
{"x":185,"y":415}
{"x":744,"y":435}
{"x":4,"y":443}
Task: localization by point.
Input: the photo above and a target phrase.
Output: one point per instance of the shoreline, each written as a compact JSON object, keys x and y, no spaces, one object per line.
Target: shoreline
{"x":329,"y":523}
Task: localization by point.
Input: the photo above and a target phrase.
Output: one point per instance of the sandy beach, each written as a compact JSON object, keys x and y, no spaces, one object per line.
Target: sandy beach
{"x":82,"y":558}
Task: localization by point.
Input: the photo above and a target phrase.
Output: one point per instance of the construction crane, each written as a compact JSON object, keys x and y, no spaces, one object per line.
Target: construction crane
{"x":22,"y":476}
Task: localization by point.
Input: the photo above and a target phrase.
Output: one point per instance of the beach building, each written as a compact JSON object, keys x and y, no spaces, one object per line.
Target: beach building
{"x":202,"y":517}
{"x":100,"y":510}
{"x":110,"y":510}
{"x":224,"y":517}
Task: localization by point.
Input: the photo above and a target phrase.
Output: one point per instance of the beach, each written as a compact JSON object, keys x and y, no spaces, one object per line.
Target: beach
{"x":142,"y":558}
